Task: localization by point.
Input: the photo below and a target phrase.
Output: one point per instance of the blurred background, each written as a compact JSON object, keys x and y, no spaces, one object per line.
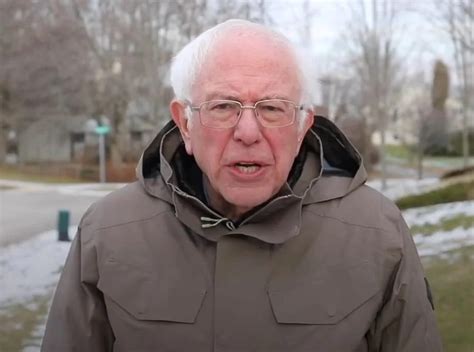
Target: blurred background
{"x":84,"y":85}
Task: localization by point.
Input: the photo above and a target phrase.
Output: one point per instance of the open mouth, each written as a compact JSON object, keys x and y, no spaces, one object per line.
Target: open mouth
{"x":247,"y":168}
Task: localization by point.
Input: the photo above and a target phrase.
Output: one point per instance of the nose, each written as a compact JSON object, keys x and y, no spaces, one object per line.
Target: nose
{"x":248,"y":130}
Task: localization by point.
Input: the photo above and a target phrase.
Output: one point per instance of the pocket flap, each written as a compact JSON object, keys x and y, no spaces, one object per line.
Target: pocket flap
{"x":151,"y":298}
{"x":327,"y":299}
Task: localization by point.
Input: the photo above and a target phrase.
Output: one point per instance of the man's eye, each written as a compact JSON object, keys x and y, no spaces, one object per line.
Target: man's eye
{"x":222,"y":106}
{"x":272,"y":108}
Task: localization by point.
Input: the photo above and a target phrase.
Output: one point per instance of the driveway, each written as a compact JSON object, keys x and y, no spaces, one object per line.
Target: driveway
{"x":27,"y":209}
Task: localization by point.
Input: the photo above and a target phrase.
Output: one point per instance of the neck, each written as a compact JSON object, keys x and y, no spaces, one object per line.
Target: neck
{"x":217,"y":202}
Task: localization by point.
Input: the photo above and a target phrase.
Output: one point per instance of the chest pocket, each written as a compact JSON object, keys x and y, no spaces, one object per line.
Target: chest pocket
{"x":326,"y":299}
{"x":146,"y":297}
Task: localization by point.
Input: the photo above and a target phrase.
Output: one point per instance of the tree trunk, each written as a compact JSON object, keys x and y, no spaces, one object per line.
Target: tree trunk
{"x":3,"y":145}
{"x":465,"y":138}
{"x":419,"y":160}
{"x":383,"y":159}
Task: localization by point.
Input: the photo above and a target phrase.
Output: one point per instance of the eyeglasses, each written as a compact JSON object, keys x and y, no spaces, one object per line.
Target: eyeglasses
{"x":226,"y":113}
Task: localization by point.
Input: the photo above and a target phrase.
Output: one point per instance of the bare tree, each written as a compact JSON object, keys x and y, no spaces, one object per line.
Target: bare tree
{"x":42,"y":71}
{"x":99,"y":57}
{"x":132,"y":43}
{"x":458,"y":19}
{"x":371,"y":40}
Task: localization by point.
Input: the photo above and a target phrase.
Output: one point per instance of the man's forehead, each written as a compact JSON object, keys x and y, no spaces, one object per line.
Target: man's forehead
{"x":248,"y":66}
{"x":247,"y":41}
{"x":249,"y":56}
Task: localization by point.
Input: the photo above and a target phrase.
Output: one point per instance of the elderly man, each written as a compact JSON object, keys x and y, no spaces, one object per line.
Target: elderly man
{"x":249,"y":229}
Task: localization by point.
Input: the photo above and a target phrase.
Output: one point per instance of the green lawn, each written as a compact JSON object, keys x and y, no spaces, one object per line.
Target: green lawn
{"x":452,"y":282}
{"x":18,"y":323}
{"x":399,"y":151}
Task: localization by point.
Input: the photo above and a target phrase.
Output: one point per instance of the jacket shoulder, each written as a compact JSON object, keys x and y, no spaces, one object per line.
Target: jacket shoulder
{"x":363,"y":207}
{"x":128,"y":204}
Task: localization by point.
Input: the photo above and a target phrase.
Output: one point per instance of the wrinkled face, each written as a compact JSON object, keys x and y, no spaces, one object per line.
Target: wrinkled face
{"x":246,"y":165}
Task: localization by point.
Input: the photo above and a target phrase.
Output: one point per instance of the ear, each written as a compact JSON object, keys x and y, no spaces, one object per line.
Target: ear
{"x":304,"y":129}
{"x":178,"y":113}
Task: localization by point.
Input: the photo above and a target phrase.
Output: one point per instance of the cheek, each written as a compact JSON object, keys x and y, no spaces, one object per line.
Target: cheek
{"x":284,"y":145}
{"x":208,"y":146}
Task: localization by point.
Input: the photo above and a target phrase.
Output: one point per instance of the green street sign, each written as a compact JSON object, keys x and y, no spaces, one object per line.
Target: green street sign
{"x":102,"y":129}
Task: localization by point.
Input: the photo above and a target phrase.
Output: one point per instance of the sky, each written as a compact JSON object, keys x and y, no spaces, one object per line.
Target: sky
{"x":419,"y":41}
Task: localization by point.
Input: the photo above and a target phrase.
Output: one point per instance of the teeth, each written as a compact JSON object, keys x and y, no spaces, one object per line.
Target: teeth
{"x":247,"y":169}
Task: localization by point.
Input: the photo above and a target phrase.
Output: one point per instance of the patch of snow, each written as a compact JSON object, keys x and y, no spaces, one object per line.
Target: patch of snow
{"x":90,"y":189}
{"x":85,"y":189}
{"x":436,"y":213}
{"x":443,"y":241}
{"x":31,"y":268}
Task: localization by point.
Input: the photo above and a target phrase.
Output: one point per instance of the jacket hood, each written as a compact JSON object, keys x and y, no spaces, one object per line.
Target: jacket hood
{"x":327,"y":167}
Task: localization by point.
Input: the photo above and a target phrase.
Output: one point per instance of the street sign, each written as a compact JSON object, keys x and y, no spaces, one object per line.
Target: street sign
{"x":102,"y":130}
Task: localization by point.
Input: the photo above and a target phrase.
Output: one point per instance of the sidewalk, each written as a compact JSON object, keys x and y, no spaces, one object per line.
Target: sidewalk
{"x":85,"y":189}
{"x":27,"y":208}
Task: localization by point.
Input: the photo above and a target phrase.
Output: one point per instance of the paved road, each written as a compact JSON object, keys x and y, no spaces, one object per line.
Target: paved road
{"x":27,"y":211}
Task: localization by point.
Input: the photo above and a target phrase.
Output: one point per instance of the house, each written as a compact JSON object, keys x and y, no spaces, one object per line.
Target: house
{"x":53,"y":139}
{"x":60,"y":139}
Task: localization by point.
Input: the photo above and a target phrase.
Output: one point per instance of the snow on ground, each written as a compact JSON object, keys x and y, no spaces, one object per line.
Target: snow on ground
{"x":85,"y":189}
{"x":31,"y":268}
{"x":435,"y":213}
{"x":90,"y":189}
{"x":441,"y":241}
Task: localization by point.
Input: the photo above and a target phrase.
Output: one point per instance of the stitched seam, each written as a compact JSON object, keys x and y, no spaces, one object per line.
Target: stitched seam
{"x":350,"y":223}
{"x":128,"y":222}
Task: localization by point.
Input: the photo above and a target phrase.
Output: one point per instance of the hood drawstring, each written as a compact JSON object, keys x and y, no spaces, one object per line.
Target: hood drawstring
{"x":211,"y":222}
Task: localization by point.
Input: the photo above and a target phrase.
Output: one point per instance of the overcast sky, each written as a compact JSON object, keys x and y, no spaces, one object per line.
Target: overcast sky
{"x":419,"y":42}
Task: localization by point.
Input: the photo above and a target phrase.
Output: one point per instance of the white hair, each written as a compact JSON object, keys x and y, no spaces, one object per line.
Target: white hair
{"x":186,"y":65}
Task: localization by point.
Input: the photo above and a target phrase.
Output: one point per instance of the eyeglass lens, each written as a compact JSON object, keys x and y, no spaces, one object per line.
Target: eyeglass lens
{"x":223,"y":113}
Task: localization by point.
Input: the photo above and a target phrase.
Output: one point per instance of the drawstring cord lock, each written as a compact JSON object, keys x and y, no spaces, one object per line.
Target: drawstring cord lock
{"x":212,"y":222}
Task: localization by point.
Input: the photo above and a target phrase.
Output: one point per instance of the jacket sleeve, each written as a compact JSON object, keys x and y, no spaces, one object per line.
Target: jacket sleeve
{"x":406,"y":322}
{"x":77,"y":319}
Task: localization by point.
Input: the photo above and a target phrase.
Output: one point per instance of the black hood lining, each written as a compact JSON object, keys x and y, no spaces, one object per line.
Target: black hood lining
{"x":151,"y":157}
{"x":338,"y":152}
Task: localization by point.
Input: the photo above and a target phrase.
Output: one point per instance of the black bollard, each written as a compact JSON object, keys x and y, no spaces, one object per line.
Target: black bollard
{"x":63,"y":225}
